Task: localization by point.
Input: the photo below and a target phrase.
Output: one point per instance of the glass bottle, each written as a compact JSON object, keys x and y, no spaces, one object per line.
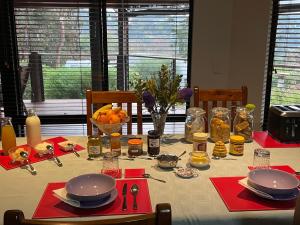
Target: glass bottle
{"x":94,"y":146}
{"x":220,"y":124}
{"x":115,"y":143}
{"x":243,"y":123}
{"x":153,"y":142}
{"x":8,"y":135}
{"x":194,"y":123}
{"x":33,"y":128}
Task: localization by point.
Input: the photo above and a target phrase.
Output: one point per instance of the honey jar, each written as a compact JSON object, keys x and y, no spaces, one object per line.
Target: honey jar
{"x":236,"y":146}
{"x":199,"y":141}
{"x":135,"y":147}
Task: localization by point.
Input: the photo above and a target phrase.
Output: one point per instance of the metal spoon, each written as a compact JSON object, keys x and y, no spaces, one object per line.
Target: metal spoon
{"x":181,"y":154}
{"x":56,"y":160}
{"x":24,"y":154}
{"x":134,"y":191}
{"x":147,"y":175}
{"x":73,"y":150}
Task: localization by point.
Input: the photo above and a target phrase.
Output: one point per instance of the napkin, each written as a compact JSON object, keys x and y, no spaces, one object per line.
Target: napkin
{"x":244,"y":183}
{"x":61,"y":194}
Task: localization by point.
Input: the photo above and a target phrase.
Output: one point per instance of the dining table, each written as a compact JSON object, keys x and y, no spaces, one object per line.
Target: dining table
{"x":193,"y":201}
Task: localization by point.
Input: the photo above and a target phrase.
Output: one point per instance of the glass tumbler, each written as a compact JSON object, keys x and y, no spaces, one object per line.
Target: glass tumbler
{"x":110,"y":164}
{"x":261,"y":158}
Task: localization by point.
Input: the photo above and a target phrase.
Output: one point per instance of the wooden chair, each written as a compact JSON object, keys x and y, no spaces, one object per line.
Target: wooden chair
{"x":162,"y":216}
{"x":297,"y":212}
{"x":99,"y":98}
{"x":210,"y":98}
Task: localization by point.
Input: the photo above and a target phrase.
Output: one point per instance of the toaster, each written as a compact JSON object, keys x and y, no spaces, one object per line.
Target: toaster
{"x":284,"y":123}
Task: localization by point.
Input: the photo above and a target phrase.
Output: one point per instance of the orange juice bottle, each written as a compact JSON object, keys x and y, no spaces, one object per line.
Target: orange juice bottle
{"x":8,"y":135}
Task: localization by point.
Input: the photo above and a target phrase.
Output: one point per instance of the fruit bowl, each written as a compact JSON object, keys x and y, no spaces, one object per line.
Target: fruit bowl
{"x":109,"y":128}
{"x":19,"y":154}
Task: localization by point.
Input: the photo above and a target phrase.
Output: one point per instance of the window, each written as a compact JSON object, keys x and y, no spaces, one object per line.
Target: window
{"x":64,"y":47}
{"x":286,"y":67}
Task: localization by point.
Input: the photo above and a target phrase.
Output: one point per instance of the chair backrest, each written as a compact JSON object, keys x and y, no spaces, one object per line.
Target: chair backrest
{"x":297,"y":212}
{"x":210,"y":98}
{"x":99,"y":98}
{"x":162,"y":216}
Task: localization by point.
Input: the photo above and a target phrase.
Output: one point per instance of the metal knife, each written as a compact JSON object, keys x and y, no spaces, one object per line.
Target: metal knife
{"x":124,"y":193}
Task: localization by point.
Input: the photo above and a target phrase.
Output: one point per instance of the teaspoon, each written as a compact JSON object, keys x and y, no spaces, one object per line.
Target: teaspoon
{"x":147,"y":175}
{"x":134,"y":191}
{"x":57,"y":161}
{"x":73,"y":150}
{"x":24,"y":154}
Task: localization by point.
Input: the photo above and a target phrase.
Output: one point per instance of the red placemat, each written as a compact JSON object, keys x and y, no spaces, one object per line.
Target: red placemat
{"x":5,"y":161}
{"x":113,"y":173}
{"x":237,"y":198}
{"x":134,"y":173}
{"x":51,"y":207}
{"x":266,"y":141}
{"x":285,"y":168}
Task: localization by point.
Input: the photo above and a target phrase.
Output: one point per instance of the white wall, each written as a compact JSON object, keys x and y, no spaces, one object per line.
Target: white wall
{"x":230,"y":44}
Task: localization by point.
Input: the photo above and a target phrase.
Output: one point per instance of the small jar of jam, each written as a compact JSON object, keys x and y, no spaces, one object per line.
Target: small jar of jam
{"x":153,"y":141}
{"x":135,"y":147}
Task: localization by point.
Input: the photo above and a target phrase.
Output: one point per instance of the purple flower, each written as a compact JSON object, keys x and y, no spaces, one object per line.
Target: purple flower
{"x":186,"y":94}
{"x":148,"y":99}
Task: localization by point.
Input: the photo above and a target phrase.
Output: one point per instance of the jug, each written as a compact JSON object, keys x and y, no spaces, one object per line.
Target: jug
{"x":194,"y":123}
{"x":8,"y":135}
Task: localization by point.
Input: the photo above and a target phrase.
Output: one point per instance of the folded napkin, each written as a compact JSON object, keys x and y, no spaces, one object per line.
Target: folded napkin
{"x":134,"y":173}
{"x":61,"y":194}
{"x":244,"y":183}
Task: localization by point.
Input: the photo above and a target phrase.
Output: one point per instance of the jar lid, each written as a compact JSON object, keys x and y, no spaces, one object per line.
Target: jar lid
{"x":108,"y":155}
{"x":153,"y":132}
{"x":195,"y":110}
{"x":135,"y":141}
{"x":200,"y":136}
{"x":237,"y":138}
{"x":115,"y":134}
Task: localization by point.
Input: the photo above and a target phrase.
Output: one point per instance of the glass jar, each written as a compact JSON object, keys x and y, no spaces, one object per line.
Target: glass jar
{"x":195,"y":122}
{"x":200,"y":141}
{"x":153,"y":141}
{"x":110,"y":164}
{"x":199,"y":159}
{"x":220,"y":124}
{"x":135,"y":147}
{"x":243,"y":123}
{"x":8,"y":135}
{"x":115,"y":143}
{"x":236,"y":146}
{"x":94,"y":146}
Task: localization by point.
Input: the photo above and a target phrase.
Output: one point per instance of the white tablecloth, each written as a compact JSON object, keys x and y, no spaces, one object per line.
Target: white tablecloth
{"x":193,"y":201}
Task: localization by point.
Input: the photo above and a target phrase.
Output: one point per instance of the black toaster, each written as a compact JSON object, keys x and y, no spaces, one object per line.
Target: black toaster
{"x":284,"y":123}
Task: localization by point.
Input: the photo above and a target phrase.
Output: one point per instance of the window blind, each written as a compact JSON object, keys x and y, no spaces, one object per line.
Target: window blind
{"x":286,"y":67}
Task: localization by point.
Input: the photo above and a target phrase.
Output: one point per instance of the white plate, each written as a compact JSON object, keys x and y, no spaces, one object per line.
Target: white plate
{"x":275,"y":197}
{"x":62,"y":195}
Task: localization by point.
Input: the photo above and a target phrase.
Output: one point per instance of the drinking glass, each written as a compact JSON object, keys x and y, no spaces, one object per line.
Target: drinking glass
{"x":261,"y":158}
{"x":110,"y":164}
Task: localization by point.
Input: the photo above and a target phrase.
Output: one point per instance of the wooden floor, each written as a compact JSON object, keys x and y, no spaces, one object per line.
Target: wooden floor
{"x":78,"y":107}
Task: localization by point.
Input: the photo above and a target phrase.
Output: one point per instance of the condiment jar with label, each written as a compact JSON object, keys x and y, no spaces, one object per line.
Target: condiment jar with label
{"x":200,"y":141}
{"x":243,"y":123}
{"x":236,"y":146}
{"x":195,"y":122}
{"x":135,"y":147}
{"x":153,"y":141}
{"x":115,"y":143}
{"x":94,"y":146}
{"x":220,"y":125}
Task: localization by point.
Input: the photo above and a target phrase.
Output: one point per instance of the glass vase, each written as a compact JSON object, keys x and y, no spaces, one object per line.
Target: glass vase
{"x":159,"y":121}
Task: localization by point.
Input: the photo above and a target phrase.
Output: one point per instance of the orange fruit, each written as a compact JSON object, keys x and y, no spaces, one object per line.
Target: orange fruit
{"x":103,"y":119}
{"x":114,"y":119}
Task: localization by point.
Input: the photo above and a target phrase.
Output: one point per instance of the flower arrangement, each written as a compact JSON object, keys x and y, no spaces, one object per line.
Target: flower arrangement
{"x":162,"y":91}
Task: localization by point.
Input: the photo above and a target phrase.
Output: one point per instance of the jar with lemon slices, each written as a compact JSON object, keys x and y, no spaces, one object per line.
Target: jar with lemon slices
{"x":236,"y":146}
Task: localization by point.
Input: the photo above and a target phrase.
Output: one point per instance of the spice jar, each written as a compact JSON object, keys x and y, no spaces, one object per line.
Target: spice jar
{"x":135,"y":147}
{"x":236,"y":146}
{"x":195,"y":122}
{"x":200,"y":141}
{"x":153,"y":141}
{"x":220,"y":124}
{"x":115,"y":143}
{"x":243,"y":123}
{"x":94,"y":146}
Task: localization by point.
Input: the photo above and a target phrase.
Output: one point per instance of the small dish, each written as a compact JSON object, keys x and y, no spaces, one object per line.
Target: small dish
{"x":66,"y":146}
{"x":16,"y":153}
{"x":186,"y":172}
{"x":42,"y":148}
